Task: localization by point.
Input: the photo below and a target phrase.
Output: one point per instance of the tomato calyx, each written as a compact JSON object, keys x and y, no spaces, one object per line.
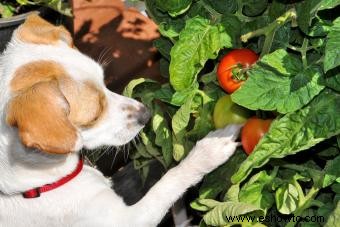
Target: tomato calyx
{"x":233,"y":67}
{"x":239,"y":72}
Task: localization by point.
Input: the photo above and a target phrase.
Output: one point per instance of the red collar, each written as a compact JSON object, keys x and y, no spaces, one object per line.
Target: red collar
{"x":35,"y":192}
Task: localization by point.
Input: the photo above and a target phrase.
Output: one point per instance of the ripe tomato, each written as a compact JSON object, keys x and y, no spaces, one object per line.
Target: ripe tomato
{"x":232,"y":68}
{"x":252,"y":132}
{"x":226,"y":112}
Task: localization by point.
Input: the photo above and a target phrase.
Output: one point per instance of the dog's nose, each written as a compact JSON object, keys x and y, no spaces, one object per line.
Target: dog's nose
{"x":143,"y":115}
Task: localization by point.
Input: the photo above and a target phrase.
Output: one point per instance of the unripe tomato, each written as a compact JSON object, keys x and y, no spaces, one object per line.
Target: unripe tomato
{"x":226,"y":112}
{"x":231,"y":71}
{"x":252,"y":132}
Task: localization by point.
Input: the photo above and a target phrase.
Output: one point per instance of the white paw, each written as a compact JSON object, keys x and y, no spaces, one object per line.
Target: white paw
{"x":215,"y":149}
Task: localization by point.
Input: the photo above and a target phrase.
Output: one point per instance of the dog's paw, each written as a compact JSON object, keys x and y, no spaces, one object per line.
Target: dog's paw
{"x":215,"y":149}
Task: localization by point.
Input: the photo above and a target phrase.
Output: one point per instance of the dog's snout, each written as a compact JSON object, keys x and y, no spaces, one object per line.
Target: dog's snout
{"x":143,"y":116}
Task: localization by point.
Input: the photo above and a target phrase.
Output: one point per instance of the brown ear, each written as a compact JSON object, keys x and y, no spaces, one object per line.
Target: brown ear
{"x":40,"y":113}
{"x":38,"y":31}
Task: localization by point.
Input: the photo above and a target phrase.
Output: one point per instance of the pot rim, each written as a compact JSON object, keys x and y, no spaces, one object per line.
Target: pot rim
{"x":18,"y":19}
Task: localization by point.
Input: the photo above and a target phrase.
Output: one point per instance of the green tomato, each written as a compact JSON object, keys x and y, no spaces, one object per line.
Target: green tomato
{"x":226,"y":112}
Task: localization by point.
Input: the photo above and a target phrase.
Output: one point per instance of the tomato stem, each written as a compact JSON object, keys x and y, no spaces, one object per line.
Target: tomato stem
{"x":304,"y":49}
{"x":269,"y":30}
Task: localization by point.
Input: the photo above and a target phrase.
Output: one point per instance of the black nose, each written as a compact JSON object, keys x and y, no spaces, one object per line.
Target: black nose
{"x":143,"y":115}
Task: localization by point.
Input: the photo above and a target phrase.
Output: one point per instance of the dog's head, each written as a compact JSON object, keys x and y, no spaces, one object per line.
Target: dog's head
{"x":57,"y":98}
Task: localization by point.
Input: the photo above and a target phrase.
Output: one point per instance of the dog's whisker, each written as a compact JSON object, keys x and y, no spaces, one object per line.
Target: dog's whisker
{"x":114,"y":159}
{"x":103,"y":54}
{"x":106,"y":62}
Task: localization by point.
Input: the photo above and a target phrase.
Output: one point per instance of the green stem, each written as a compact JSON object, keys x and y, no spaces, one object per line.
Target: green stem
{"x":304,"y":204}
{"x":303,"y":50}
{"x":268,"y":43}
{"x":269,"y":30}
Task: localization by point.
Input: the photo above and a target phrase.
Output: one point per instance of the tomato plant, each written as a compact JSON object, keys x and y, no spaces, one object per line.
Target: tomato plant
{"x":231,"y":71}
{"x":253,"y":130}
{"x":226,"y":112}
{"x":293,"y":170}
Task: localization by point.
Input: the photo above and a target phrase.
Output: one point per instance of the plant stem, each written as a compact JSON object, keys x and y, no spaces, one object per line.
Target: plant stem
{"x":268,"y":42}
{"x":269,"y":30}
{"x":304,"y":204}
{"x":303,"y":50}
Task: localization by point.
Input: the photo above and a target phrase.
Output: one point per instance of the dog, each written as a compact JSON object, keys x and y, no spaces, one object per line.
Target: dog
{"x":54,"y":103}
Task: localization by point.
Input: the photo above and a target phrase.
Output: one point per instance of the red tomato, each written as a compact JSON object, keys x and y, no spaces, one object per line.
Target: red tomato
{"x":235,"y":62}
{"x":252,"y":132}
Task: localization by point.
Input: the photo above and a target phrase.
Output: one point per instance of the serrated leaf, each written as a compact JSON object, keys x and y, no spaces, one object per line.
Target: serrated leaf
{"x":179,"y":123}
{"x":163,"y":45}
{"x":307,"y":10}
{"x":254,"y":7}
{"x":332,"y":52}
{"x":333,"y":82}
{"x":163,"y":134}
{"x":295,"y":132}
{"x":334,"y":218}
{"x":286,"y":197}
{"x":329,"y":4}
{"x":223,"y":6}
{"x":173,"y":7}
{"x":219,"y":180}
{"x":198,"y":42}
{"x":229,"y":212}
{"x":277,"y":82}
{"x":332,"y":171}
{"x":6,"y":10}
{"x":256,"y":191}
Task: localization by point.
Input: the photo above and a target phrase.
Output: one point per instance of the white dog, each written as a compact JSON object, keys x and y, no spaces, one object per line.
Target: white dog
{"x":53,"y":102}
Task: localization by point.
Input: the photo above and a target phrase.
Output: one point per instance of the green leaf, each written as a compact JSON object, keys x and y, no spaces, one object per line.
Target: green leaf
{"x":60,"y":6}
{"x":179,"y":123}
{"x":307,"y":10}
{"x":277,"y":82}
{"x":198,"y":42}
{"x":223,"y":6}
{"x":129,"y":89}
{"x":163,"y":134}
{"x":286,"y":197}
{"x":329,"y":4}
{"x":332,"y":52}
{"x":332,"y":171}
{"x":333,"y":82}
{"x":254,"y":7}
{"x":334,"y":218}
{"x":320,"y":27}
{"x":6,"y":10}
{"x":232,"y":193}
{"x":173,"y":7}
{"x":204,"y":204}
{"x":163,"y":45}
{"x":257,"y":191}
{"x":232,"y":25}
{"x":295,"y":132}
{"x":336,"y":188}
{"x":164,"y":67}
{"x":230,"y":212}
{"x":219,"y":180}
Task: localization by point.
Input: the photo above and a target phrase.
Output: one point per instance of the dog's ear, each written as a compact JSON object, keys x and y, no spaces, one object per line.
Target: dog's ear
{"x":41,"y":115}
{"x":38,"y":31}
